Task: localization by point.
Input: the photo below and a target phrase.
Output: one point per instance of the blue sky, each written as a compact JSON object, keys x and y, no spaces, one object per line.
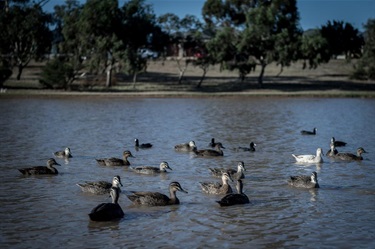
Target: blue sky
{"x":313,"y":13}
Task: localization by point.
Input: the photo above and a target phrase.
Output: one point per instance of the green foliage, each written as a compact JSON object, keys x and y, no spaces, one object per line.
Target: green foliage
{"x":272,"y":34}
{"x":138,"y":20}
{"x":226,"y":12}
{"x":57,"y":74}
{"x":24,"y":34}
{"x":72,"y":45}
{"x":314,"y":49}
{"x":365,"y":68}
{"x":342,"y":38}
{"x":134,"y":64}
{"x":223,"y":46}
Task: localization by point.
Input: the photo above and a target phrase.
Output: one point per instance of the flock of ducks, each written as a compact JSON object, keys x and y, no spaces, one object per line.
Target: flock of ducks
{"x":111,"y":211}
{"x":312,"y":181}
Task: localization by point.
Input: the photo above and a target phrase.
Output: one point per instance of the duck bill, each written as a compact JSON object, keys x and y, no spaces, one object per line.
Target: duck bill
{"x":182,"y":190}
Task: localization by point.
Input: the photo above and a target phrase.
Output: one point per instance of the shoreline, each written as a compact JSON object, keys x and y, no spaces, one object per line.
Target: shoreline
{"x":161,"y":80}
{"x":334,"y":93}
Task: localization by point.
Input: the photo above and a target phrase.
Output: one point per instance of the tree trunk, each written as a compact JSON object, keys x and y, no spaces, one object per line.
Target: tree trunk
{"x":281,"y":71}
{"x":260,"y":78}
{"x":202,"y":78}
{"x":20,"y":69}
{"x":182,"y":70}
{"x":134,"y":79}
{"x":108,"y":82}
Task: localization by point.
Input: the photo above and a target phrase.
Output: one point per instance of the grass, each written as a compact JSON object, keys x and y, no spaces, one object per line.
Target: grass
{"x":161,"y":78}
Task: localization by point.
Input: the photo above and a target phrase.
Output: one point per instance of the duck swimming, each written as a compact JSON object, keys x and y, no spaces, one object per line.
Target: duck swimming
{"x":236,"y":174}
{"x":217,"y":188}
{"x":186,"y":147}
{"x":332,"y":151}
{"x":213,"y":144}
{"x":251,"y":148}
{"x":100,"y":187}
{"x":152,"y":170}
{"x":304,"y":181}
{"x":235,"y":199}
{"x":113,"y":161}
{"x":156,"y":198}
{"x":141,"y":146}
{"x":42,"y":170}
{"x":208,"y":152}
{"x":351,"y":157}
{"x":63,"y":154}
{"x":303,"y":132}
{"x":310,"y":158}
{"x":108,"y":211}
{"x":337,"y":143}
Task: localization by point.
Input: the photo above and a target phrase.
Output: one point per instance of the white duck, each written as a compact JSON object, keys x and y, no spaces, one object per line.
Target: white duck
{"x":310,"y":158}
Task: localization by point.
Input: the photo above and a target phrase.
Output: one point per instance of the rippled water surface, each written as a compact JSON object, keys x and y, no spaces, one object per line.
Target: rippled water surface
{"x":51,"y":211}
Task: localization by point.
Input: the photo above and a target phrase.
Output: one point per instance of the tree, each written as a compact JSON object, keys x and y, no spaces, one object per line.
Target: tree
{"x":25,"y":34}
{"x":227,"y":20}
{"x":57,"y":74}
{"x":138,"y":20}
{"x":99,"y":22}
{"x":342,"y":38}
{"x":185,"y":32}
{"x":70,"y":48}
{"x":221,"y":13}
{"x":365,"y":68}
{"x":314,"y":49}
{"x":272,"y":34}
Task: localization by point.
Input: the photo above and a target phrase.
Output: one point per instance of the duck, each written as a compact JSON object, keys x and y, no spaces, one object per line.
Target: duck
{"x":251,"y":148}
{"x":303,"y":132}
{"x":213,"y":144}
{"x":108,"y":211}
{"x":113,"y":161}
{"x":185,"y":147}
{"x":345,"y":156}
{"x":235,"y":198}
{"x":42,"y":170}
{"x":63,"y":154}
{"x":142,"y":146}
{"x":156,"y":198}
{"x":310,"y":158}
{"x":100,"y":187}
{"x":217,"y":188}
{"x":209,"y":152}
{"x":337,"y":143}
{"x":236,"y":174}
{"x":332,"y":151}
{"x":152,"y":170}
{"x":303,"y":181}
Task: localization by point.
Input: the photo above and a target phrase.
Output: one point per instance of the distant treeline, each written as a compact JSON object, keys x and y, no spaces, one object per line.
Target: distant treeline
{"x":101,"y":37}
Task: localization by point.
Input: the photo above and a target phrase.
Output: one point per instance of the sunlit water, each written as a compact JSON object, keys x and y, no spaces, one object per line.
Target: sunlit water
{"x":51,"y":211}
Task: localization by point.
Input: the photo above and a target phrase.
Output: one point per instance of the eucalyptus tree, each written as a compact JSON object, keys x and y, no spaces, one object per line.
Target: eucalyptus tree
{"x":139,"y":30}
{"x":272,"y":34}
{"x":186,"y":32}
{"x":24,"y":34}
{"x":219,"y":13}
{"x":100,"y":22}
{"x":228,"y":20}
{"x":64,"y":69}
{"x":314,"y":49}
{"x":342,"y":38}
{"x":365,"y":67}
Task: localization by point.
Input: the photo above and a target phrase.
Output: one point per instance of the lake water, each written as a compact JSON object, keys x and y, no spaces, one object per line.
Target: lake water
{"x":51,"y":211}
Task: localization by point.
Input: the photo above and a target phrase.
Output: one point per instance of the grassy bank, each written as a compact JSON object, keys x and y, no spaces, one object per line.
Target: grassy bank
{"x":161,"y":79}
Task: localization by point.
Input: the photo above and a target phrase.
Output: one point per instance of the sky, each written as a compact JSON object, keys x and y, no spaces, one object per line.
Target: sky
{"x":313,"y":13}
